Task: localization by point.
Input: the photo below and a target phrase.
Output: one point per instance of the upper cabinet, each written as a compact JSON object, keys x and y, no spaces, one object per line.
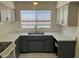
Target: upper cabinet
{"x":7,"y":12}
{"x":67,"y":15}
{"x":60,"y":15}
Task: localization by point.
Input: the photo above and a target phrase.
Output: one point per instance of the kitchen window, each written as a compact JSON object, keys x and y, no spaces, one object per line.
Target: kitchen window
{"x":31,"y":18}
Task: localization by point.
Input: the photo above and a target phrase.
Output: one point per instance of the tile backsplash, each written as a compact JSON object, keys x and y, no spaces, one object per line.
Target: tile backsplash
{"x":69,"y":31}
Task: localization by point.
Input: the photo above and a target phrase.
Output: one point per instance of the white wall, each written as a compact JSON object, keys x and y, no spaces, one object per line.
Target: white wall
{"x":7,"y":27}
{"x":77,"y":35}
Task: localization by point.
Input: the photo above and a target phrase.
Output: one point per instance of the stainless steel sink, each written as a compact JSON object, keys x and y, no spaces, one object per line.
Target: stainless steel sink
{"x":36,"y":33}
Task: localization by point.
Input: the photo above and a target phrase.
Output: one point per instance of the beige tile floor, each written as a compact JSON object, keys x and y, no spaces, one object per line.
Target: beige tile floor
{"x":38,"y":55}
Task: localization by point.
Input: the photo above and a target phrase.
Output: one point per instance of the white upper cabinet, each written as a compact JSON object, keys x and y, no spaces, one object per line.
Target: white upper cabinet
{"x":7,"y":12}
{"x":67,"y":15}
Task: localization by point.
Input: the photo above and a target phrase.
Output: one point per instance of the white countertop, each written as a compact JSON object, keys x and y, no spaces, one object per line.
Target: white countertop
{"x":12,"y":36}
{"x":9,"y":37}
{"x":62,"y":37}
{"x":58,"y":36}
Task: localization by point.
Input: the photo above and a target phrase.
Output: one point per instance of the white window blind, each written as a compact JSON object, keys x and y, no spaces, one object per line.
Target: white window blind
{"x":30,"y":19}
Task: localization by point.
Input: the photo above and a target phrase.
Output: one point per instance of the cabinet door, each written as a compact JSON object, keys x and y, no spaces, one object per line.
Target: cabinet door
{"x":36,"y":45}
{"x":61,"y":15}
{"x":58,"y":16}
{"x":52,"y":44}
{"x":66,"y":49}
{"x":17,"y":48}
{"x":47,"y":44}
{"x":65,"y":14}
{"x":24,"y":46}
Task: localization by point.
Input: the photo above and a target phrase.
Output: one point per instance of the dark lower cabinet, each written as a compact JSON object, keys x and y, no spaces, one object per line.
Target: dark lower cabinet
{"x":49,"y":45}
{"x":65,"y":49}
{"x":24,"y":44}
{"x":37,"y":44}
{"x":17,"y":48}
